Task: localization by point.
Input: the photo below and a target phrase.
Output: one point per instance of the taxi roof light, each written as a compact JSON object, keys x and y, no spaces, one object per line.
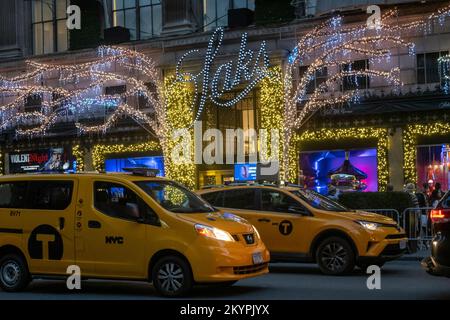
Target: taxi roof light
{"x":142,"y":171}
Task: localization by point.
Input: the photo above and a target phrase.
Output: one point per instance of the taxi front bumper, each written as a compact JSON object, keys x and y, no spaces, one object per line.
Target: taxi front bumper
{"x":383,"y":251}
{"x":228,"y":261}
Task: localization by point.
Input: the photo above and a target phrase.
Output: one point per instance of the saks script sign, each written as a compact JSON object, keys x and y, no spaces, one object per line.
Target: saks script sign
{"x":214,"y":81}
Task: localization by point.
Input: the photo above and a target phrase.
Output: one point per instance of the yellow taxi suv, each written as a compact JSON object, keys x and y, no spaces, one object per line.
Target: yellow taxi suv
{"x":304,"y":226}
{"x":121,"y":226}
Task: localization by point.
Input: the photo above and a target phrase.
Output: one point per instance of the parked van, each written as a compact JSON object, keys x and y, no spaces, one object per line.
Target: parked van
{"x":121,"y":226}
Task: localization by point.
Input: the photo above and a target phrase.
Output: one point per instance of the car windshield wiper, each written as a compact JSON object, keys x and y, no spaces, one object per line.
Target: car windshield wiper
{"x":189,"y":210}
{"x":181,"y":210}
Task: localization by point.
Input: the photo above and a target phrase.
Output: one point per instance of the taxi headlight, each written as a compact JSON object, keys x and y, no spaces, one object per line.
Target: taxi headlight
{"x":212,"y":232}
{"x":369,"y":225}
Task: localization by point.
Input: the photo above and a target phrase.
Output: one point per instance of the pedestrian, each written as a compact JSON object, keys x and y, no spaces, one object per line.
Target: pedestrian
{"x":412,"y":218}
{"x":436,"y":195}
{"x":426,"y":191}
{"x":430,"y":187}
{"x":389,"y":188}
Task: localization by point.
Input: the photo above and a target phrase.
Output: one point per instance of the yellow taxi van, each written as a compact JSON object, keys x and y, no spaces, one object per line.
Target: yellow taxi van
{"x":301,"y":225}
{"x":121,"y":226}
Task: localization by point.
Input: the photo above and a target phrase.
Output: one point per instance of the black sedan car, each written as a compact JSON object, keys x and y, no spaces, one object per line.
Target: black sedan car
{"x":439,"y":261}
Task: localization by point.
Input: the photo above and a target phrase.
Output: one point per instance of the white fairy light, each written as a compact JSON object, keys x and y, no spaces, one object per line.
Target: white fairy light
{"x":330,"y":45}
{"x":208,"y":79}
{"x":96,"y":74}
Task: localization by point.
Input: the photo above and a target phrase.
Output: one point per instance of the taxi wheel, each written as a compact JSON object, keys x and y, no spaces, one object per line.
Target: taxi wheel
{"x":335,"y":256}
{"x":14,"y":274}
{"x":172,"y":276}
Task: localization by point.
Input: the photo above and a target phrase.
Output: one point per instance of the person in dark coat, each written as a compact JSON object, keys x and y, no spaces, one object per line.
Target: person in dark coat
{"x":436,"y":195}
{"x":425,"y":225}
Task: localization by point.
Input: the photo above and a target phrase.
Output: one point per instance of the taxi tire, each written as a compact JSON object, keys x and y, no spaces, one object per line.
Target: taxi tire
{"x":332,"y":243}
{"x":178,"y":263}
{"x":18,"y":268}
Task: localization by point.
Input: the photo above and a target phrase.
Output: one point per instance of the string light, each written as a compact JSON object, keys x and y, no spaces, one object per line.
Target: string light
{"x":111,"y":62}
{"x":100,"y":151}
{"x":210,"y":87}
{"x":271,"y":108}
{"x":410,"y":135}
{"x":78,"y":154}
{"x":329,"y":47}
{"x":444,"y":71}
{"x":179,"y":116}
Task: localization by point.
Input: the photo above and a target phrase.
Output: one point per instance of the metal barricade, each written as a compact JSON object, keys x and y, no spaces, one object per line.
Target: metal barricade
{"x":417,"y":225}
{"x":391,"y":213}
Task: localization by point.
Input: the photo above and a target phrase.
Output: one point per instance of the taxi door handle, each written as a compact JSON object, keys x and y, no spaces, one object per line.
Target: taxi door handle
{"x":264,"y":220}
{"x":62,"y":222}
{"x":94,"y":224}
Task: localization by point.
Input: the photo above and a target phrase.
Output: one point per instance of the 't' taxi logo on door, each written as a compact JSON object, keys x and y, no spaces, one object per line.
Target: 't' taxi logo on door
{"x":285,"y":227}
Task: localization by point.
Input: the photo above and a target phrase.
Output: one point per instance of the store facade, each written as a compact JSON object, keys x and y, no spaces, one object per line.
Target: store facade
{"x":391,"y":137}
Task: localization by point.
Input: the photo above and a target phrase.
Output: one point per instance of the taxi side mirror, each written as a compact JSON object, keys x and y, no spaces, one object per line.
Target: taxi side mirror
{"x":147,"y":215}
{"x":152,"y":220}
{"x":140,"y":220}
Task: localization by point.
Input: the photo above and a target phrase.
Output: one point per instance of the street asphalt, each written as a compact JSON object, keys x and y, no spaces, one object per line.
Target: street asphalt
{"x":403,"y":279}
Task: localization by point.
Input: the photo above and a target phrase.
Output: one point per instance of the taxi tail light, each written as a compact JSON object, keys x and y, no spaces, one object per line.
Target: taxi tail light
{"x":440,"y":215}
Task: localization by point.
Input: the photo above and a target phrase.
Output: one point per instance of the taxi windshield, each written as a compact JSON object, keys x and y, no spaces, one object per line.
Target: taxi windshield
{"x":319,"y":201}
{"x":174,"y":197}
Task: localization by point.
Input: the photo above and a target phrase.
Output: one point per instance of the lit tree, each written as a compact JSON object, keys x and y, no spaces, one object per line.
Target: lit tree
{"x":75,"y":91}
{"x":332,"y":47}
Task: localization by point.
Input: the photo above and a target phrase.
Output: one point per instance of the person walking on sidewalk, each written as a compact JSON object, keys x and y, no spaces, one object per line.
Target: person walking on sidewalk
{"x":436,"y":195}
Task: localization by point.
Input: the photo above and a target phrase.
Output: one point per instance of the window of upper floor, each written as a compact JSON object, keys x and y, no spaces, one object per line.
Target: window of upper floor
{"x":215,"y":12}
{"x":50,"y":33}
{"x":141,"y":17}
{"x":356,"y":82}
{"x":320,"y":76}
{"x":427,"y":67}
{"x":33,"y":103}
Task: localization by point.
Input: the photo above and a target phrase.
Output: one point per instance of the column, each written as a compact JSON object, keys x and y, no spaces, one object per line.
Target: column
{"x":395,"y":156}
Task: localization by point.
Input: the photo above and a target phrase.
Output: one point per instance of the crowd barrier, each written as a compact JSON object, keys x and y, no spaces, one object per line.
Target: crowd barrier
{"x":416,"y":223}
{"x":391,"y":213}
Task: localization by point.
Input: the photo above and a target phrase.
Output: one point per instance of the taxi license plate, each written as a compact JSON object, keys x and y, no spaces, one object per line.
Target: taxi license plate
{"x":257,"y":258}
{"x":402,"y":244}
